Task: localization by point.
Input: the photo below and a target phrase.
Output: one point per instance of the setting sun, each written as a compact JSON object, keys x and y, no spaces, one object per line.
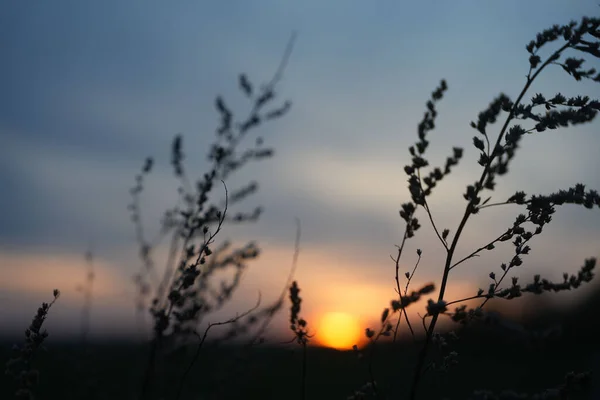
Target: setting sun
{"x":338,"y":330}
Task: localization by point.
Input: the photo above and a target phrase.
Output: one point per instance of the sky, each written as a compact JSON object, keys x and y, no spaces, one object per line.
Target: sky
{"x":89,"y":90}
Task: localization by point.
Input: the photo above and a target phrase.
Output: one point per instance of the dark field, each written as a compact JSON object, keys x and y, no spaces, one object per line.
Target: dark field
{"x":489,"y":357}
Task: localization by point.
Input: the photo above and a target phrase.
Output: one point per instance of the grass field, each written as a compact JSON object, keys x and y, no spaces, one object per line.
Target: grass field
{"x":489,"y":358}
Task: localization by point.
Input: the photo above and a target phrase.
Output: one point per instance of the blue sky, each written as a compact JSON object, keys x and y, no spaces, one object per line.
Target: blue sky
{"x":91,"y":89}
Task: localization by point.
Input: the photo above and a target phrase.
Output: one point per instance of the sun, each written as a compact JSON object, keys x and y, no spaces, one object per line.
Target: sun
{"x":338,"y":330}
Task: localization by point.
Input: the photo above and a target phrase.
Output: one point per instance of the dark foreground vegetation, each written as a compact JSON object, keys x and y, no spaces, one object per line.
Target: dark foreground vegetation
{"x":553,"y":356}
{"x":490,"y":357}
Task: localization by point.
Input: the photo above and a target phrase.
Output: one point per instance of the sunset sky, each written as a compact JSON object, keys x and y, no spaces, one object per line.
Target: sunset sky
{"x":90,"y":89}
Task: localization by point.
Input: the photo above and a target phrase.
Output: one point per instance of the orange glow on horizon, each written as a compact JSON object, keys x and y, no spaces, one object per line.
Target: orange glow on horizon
{"x":338,"y":330}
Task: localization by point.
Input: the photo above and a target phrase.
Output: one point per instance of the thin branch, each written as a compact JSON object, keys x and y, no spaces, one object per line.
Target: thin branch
{"x":426,"y":207}
{"x":203,"y":339}
{"x":412,"y":273}
{"x":495,"y":204}
{"x":398,"y":290}
{"x":479,"y":296}
{"x":149,"y":372}
{"x":284,"y":61}
{"x":290,"y":277}
{"x":463,"y":222}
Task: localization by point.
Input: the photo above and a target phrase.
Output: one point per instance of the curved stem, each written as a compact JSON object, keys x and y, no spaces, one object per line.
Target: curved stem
{"x":463,"y":222}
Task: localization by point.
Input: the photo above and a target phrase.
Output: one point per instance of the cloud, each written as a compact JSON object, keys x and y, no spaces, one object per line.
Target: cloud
{"x":27,"y":280}
{"x":91,"y":92}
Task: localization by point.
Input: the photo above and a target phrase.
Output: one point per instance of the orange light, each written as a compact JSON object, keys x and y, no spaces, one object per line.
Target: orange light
{"x":338,"y":330}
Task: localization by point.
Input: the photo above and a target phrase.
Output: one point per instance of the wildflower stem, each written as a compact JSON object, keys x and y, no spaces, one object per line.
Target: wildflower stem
{"x":494,"y":204}
{"x":203,"y":339}
{"x":281,"y":298}
{"x":479,"y":296}
{"x":468,"y":211}
{"x":426,"y":207}
{"x":397,"y":260}
{"x":473,"y":254}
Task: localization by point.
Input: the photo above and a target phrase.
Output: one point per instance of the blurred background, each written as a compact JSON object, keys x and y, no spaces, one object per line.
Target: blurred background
{"x":89,"y":90}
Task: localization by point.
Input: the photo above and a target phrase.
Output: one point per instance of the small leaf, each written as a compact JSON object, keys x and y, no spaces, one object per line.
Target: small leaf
{"x":478,"y":143}
{"x":384,"y":315}
{"x":445,"y":233}
{"x":245,"y":85}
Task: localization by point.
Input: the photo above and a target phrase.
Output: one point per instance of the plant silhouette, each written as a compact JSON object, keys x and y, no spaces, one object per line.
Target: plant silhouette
{"x":180,"y":300}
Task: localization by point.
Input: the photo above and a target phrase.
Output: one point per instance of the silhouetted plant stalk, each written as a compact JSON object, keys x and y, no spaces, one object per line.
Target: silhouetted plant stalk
{"x":409,"y":276}
{"x":298,"y":325}
{"x":263,"y":318}
{"x":87,"y":289}
{"x":270,"y":313}
{"x":20,"y":365}
{"x":185,"y":295}
{"x":202,"y":339}
{"x":187,"y":278}
{"x":560,"y":112}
